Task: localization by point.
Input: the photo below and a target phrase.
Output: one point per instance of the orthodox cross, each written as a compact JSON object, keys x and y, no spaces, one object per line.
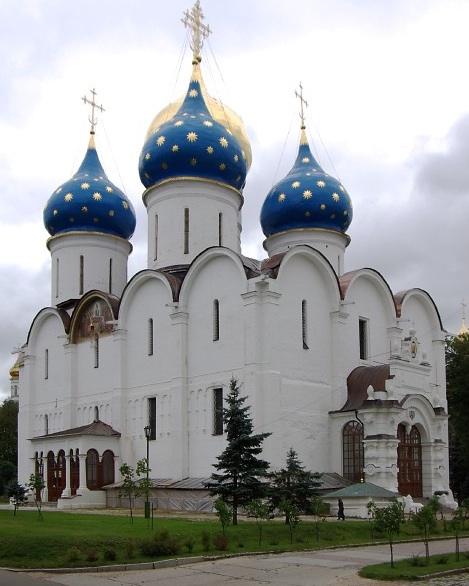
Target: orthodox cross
{"x":200,"y":31}
{"x":93,"y":105}
{"x":303,"y":103}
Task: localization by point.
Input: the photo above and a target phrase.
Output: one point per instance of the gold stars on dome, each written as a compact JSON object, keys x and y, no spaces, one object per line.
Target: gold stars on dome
{"x":160,"y":140}
{"x":323,"y":206}
{"x":109,"y":189}
{"x":295,"y":184}
{"x":125,"y":205}
{"x":210,"y":150}
{"x":307,"y":194}
{"x":111,"y":213}
{"x":281,"y":197}
{"x":335,"y":196}
{"x":235,"y":158}
{"x":208,"y":123}
{"x":342,"y":189}
{"x":95,"y":220}
{"x":59,"y":190}
{"x":321,"y":183}
{"x":222,"y":166}
{"x":192,"y":136}
{"x":307,"y":214}
{"x":68,"y":197}
{"x":55,"y":212}
{"x":175,"y":148}
{"x":164,"y":165}
{"x":85,"y":185}
{"x":147,"y":157}
{"x":193,"y":93}
{"x":223,"y":142}
{"x":84,"y":209}
{"x":305,"y":160}
{"x":193,"y":161}
{"x":345,"y":212}
{"x":97,"y":196}
{"x":179,"y":123}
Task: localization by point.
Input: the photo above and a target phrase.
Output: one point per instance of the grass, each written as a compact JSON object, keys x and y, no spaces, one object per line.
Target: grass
{"x":411,"y":569}
{"x":81,"y":539}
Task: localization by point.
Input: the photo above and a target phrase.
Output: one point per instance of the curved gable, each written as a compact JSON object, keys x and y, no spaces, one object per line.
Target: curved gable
{"x":40,"y":318}
{"x":349,"y":280}
{"x":95,"y":313}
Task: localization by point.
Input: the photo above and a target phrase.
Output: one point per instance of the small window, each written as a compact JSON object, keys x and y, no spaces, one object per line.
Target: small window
{"x":218,"y":411}
{"x":46,"y":424}
{"x":96,"y":350}
{"x":57,"y":264}
{"x":216,"y":320}
{"x":363,"y":338}
{"x":220,"y":229}
{"x":150,"y":337}
{"x":304,"y":325}
{"x":46,"y":363}
{"x":186,"y":230}
{"x":156,"y":237}
{"x":81,"y":275}
{"x":110,"y":275}
{"x":152,"y":417}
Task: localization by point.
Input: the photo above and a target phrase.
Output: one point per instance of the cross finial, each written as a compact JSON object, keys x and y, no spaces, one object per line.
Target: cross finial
{"x":303,"y":103}
{"x":200,"y":31}
{"x":93,"y":105}
{"x":464,"y":305}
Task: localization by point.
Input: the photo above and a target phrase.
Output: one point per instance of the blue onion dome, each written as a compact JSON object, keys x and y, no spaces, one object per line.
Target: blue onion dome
{"x":306,"y":198}
{"x":89,"y":202}
{"x":192,"y":144}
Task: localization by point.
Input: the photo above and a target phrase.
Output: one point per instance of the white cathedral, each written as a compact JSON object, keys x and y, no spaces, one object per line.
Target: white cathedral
{"x":334,"y":364}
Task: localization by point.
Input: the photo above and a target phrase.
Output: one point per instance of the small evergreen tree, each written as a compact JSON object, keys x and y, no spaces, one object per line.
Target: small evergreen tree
{"x":295,"y":484}
{"x":240,"y":475}
{"x":17,"y":495}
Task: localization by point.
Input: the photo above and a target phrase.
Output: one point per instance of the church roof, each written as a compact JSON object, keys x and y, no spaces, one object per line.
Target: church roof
{"x":96,"y":428}
{"x":89,"y":202}
{"x":360,"y":379}
{"x":362,"y":489}
{"x":307,"y":197}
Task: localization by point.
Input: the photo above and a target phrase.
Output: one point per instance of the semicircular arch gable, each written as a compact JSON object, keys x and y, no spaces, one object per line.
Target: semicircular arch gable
{"x":319,"y":262}
{"x":202,"y":261}
{"x":41,"y":317}
{"x":95,"y":313}
{"x":349,"y":282}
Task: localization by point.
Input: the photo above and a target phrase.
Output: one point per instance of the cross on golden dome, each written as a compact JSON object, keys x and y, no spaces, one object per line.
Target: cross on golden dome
{"x":200,"y":31}
{"x":93,"y":105}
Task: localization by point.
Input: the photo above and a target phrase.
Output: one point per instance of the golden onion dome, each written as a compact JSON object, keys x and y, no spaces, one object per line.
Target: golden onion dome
{"x":15,"y":369}
{"x":219,"y":111}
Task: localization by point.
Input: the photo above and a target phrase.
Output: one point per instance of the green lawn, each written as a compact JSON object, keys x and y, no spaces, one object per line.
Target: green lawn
{"x":80,"y":539}
{"x":410,"y":569}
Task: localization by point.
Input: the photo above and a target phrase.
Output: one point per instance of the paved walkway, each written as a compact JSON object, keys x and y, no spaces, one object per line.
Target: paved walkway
{"x":337,"y":567}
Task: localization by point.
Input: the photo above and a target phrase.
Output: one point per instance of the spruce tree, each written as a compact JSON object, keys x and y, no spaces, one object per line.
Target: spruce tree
{"x":241,"y":474}
{"x":293,"y":484}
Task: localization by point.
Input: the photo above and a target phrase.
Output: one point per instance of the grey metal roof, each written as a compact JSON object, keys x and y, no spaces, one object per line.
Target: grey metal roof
{"x":362,"y":489}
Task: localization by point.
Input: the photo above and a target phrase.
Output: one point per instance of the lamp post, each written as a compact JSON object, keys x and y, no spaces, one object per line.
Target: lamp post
{"x":147,"y":430}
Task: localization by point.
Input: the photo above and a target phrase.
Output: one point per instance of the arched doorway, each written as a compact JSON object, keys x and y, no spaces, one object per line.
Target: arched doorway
{"x":55,"y":475}
{"x":409,"y":461}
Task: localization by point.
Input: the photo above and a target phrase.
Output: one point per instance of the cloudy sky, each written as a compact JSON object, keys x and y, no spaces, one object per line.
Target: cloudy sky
{"x":388,"y":93}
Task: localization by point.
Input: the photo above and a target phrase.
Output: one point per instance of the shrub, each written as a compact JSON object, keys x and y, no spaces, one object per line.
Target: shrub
{"x":130,"y":548}
{"x":442,"y":559}
{"x":221,"y":542}
{"x":205,"y":538}
{"x":160,"y":544}
{"x":189,"y":543}
{"x":73,"y":554}
{"x":417,"y":562}
{"x":92,"y":554}
{"x":109,"y":554}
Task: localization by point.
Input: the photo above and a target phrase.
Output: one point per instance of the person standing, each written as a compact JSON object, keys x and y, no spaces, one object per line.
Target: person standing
{"x":340,"y":512}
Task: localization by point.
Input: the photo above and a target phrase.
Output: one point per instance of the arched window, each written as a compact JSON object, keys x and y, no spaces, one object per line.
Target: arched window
{"x":409,"y":461}
{"x":352,"y":451}
{"x":92,"y":461}
{"x":107,"y":464}
{"x":216,"y":320}
{"x":304,"y":324}
{"x":150,"y":337}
